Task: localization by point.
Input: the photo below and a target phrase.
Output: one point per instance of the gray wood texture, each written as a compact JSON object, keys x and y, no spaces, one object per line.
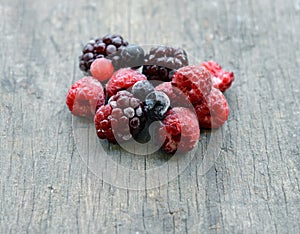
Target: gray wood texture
{"x":252,"y":186}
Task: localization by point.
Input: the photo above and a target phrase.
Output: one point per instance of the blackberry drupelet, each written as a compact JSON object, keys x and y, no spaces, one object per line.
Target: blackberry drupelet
{"x":121,"y":119}
{"x":162,"y":61}
{"x":100,"y":48}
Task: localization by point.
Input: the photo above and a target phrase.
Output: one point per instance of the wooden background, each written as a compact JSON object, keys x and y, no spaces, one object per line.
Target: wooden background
{"x":252,"y":187}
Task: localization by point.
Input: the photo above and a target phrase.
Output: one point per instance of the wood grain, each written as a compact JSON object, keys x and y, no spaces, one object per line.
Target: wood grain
{"x":252,"y":187}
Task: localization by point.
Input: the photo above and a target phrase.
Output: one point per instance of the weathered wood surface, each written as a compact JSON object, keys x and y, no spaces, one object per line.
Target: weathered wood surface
{"x":252,"y":187}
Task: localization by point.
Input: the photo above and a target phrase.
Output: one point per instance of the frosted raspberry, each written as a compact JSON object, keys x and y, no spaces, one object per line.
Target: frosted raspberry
{"x":222,"y":80}
{"x":213,"y":111}
{"x":84,"y":95}
{"x":194,"y":81}
{"x":176,"y":96}
{"x":180,"y":130}
{"x":102,"y":69}
{"x":123,"y":79}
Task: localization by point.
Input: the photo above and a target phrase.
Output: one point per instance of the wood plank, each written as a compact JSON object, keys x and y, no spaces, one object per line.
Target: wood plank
{"x":251,"y":187}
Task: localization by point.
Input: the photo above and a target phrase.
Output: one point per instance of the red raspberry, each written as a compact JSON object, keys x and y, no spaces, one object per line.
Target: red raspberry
{"x":102,"y":69}
{"x":179,"y":131}
{"x":213,"y":111}
{"x":222,"y":80}
{"x":194,"y":81}
{"x":177,"y":97}
{"x":84,"y":95}
{"x":123,"y":79}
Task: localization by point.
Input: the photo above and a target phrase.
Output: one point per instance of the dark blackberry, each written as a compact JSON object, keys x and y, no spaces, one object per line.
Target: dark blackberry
{"x":129,"y":56}
{"x":100,"y":48}
{"x":121,"y":119}
{"x":141,"y":89}
{"x":162,"y":62}
{"x":157,"y":104}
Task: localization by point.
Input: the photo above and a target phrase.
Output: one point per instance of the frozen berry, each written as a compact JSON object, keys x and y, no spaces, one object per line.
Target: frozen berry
{"x":123,"y":79}
{"x":213,"y":111}
{"x":83,"y":97}
{"x":100,"y":48}
{"x":102,"y":69}
{"x":121,"y":119}
{"x":141,"y":89}
{"x":162,"y":61}
{"x":179,"y":131}
{"x":194,"y":81}
{"x":129,"y":56}
{"x":156,"y":105}
{"x":221,"y":79}
{"x":176,"y":96}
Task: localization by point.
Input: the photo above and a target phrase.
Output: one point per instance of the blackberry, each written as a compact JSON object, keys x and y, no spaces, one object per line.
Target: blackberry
{"x":141,"y":89}
{"x":157,"y":104}
{"x":162,"y":62}
{"x":100,"y":48}
{"x":129,"y":56}
{"x":121,"y":119}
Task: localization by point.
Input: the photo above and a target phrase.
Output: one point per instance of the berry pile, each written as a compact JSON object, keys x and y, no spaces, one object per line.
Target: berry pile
{"x":183,"y":98}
